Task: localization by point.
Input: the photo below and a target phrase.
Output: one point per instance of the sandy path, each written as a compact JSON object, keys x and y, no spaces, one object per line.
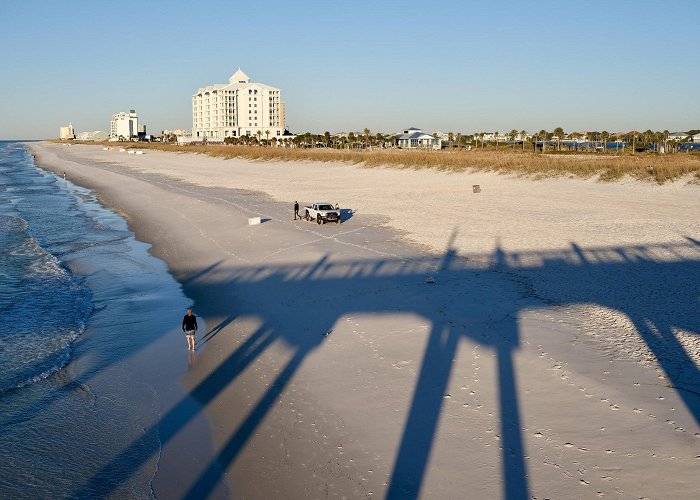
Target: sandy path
{"x":559,"y":359}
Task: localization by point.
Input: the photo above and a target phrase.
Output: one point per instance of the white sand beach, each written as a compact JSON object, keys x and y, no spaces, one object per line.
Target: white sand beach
{"x":557,"y":354}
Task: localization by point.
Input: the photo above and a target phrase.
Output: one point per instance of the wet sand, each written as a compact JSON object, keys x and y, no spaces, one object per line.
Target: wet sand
{"x":556,"y":354}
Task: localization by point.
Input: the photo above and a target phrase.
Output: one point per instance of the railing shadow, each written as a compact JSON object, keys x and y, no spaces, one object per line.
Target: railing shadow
{"x":278,"y":294}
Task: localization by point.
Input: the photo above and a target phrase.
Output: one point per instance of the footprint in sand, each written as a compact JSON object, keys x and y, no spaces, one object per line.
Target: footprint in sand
{"x":614,"y":407}
{"x":637,"y":410}
{"x":538,"y":434}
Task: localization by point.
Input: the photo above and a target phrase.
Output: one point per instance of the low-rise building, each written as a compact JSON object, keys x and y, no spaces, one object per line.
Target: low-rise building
{"x":414,"y":138}
{"x":677,"y":136}
{"x":95,"y":136}
{"x":176,"y":132}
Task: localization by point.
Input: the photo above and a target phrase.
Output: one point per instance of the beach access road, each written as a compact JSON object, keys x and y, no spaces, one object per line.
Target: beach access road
{"x":527,"y":367}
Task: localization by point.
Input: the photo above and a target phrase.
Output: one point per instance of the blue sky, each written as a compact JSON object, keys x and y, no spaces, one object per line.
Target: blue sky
{"x":461,"y":66}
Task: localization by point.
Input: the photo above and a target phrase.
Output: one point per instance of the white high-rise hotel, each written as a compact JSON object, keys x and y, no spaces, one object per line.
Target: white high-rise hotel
{"x":239,"y":107}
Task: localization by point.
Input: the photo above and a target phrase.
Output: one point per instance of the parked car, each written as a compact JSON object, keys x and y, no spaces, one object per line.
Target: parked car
{"x":322,"y":213}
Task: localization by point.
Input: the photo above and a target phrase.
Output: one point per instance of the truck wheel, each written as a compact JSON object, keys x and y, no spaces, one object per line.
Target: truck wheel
{"x":318,"y":220}
{"x":337,"y":220}
{"x":306,"y":215}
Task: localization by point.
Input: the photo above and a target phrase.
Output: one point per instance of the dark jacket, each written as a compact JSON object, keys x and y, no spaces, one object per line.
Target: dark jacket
{"x":189,"y":323}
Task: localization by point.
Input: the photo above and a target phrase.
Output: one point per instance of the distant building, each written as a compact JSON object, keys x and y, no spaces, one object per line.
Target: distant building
{"x":696,"y":138}
{"x":66,"y":133}
{"x":96,"y":136}
{"x":124,"y":126}
{"x":176,"y":132}
{"x":677,"y":136}
{"x":414,"y":138}
{"x":239,"y":107}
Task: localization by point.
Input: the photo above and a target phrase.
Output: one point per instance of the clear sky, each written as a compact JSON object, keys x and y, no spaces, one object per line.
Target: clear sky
{"x":461,"y":66}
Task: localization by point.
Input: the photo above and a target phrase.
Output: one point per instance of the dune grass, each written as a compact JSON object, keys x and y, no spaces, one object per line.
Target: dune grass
{"x":605,"y":167}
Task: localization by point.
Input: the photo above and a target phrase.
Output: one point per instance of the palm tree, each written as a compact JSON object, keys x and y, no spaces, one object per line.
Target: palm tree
{"x":523,"y":135}
{"x":543,"y":135}
{"x":559,"y":132}
{"x":267,"y":134}
{"x":366,"y":132}
{"x":512,"y":135}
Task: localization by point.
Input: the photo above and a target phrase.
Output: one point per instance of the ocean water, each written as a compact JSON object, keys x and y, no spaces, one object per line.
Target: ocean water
{"x":43,"y":306}
{"x":85,"y":314}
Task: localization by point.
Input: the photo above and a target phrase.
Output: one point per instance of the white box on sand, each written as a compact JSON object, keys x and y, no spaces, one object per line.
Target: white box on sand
{"x":105,"y":149}
{"x":254,"y":220}
{"x":139,"y":152}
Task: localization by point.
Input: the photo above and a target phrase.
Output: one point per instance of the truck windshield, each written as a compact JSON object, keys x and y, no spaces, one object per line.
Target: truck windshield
{"x":325,"y":207}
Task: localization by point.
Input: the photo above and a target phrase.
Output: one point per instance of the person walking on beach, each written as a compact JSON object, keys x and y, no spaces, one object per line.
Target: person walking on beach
{"x":296,"y":210}
{"x":189,"y":326}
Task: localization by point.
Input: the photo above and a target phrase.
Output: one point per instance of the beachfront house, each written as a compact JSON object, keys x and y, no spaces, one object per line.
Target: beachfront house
{"x":696,"y":138}
{"x":237,"y":108}
{"x":414,"y":138}
{"x":677,"y":136}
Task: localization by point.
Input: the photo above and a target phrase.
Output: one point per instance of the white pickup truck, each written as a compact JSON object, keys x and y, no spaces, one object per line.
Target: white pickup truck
{"x":322,"y":213}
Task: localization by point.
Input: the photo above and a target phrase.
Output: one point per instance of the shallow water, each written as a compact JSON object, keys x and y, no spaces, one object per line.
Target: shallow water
{"x":88,"y":319}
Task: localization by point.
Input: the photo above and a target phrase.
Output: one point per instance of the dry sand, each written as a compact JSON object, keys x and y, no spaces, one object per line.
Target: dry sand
{"x":556,"y":355}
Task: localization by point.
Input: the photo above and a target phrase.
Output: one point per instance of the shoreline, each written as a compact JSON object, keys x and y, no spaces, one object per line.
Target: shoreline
{"x":358,"y":398}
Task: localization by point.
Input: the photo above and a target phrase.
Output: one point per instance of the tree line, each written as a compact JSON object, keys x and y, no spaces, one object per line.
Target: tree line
{"x":554,"y":139}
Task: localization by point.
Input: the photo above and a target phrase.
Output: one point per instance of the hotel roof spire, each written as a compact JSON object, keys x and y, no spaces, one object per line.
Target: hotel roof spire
{"x":239,"y":77}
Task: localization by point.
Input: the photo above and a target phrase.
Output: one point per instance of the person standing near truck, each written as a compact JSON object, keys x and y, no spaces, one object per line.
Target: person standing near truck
{"x":296,"y":210}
